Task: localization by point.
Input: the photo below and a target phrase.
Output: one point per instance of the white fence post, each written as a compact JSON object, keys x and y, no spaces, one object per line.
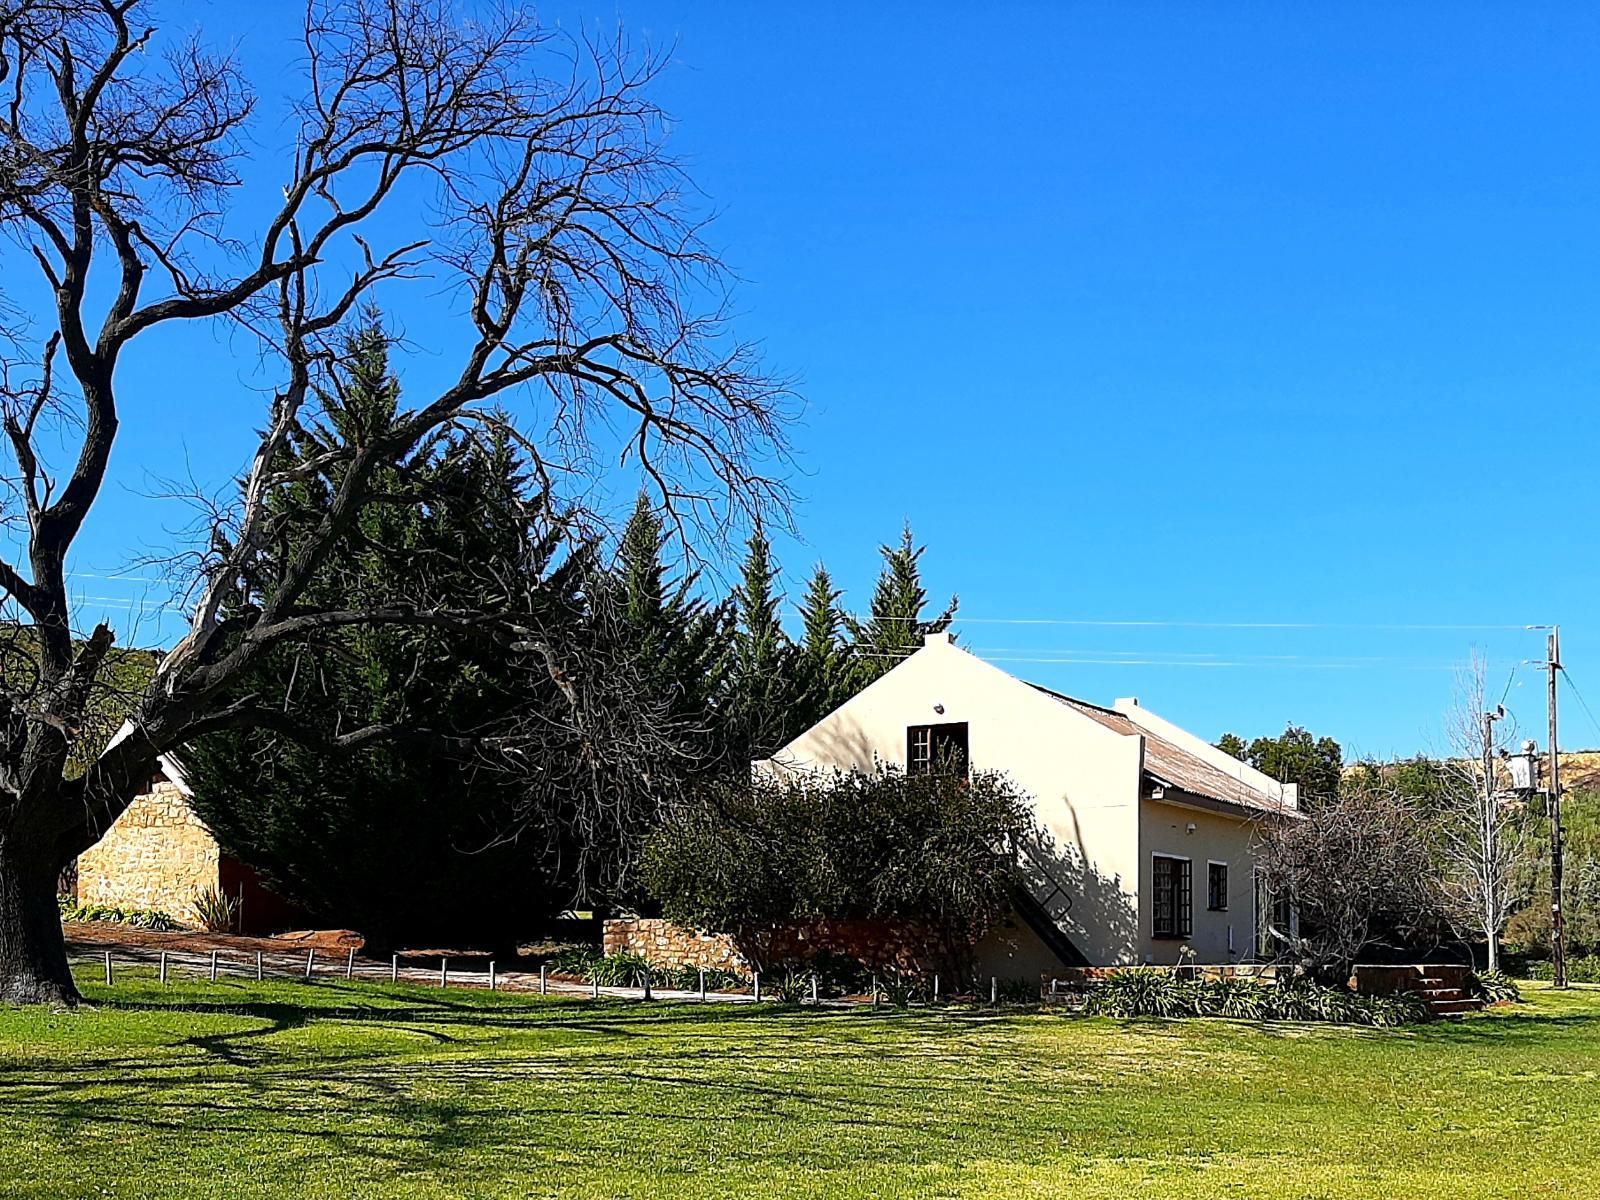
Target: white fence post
{"x":163,"y":966}
{"x":394,"y":968}
{"x":816,"y":990}
{"x":311,"y":958}
{"x":544,"y":979}
{"x":702,"y":983}
{"x":213,"y":966}
{"x":936,"y":989}
{"x":444,"y":972}
{"x":259,"y":971}
{"x":756,"y":978}
{"x":994,"y":990}
{"x":874,"y":991}
{"x":491,"y":975}
{"x":108,"y":968}
{"x":350,"y":964}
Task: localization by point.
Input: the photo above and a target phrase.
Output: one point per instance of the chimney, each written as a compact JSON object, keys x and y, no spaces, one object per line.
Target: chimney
{"x":936,"y":639}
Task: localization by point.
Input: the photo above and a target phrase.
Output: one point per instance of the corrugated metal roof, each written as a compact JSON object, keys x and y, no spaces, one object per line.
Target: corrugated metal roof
{"x":1170,"y":765}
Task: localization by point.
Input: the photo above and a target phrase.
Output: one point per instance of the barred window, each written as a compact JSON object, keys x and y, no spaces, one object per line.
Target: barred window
{"x":1217,"y":887}
{"x":1172,"y":904}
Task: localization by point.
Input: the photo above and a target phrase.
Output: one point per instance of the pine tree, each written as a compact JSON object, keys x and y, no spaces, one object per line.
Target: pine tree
{"x":894,"y":626}
{"x":681,"y":645}
{"x":762,"y":684}
{"x":400,"y":838}
{"x":822,"y":667}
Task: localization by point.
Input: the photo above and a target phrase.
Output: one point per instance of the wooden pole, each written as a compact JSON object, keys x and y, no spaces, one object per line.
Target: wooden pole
{"x":1558,"y":934}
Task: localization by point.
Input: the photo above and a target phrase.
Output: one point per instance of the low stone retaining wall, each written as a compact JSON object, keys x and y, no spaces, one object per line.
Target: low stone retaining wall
{"x":669,"y":945}
{"x":885,"y":946}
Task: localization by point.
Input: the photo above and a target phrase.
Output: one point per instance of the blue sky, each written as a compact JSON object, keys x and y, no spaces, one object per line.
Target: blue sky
{"x":1209,"y":314}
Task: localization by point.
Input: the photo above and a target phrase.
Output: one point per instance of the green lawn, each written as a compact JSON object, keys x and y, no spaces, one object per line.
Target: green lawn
{"x":279,"y":1089}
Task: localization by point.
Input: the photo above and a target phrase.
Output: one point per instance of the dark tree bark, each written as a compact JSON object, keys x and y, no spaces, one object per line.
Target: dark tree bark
{"x":558,"y":230}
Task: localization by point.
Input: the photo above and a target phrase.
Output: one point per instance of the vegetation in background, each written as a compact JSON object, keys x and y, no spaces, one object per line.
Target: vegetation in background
{"x":1294,"y":756}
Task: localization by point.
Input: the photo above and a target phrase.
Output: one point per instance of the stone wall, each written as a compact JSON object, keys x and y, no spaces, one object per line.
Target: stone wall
{"x":880,"y":945}
{"x":156,"y":855}
{"x":669,"y":945}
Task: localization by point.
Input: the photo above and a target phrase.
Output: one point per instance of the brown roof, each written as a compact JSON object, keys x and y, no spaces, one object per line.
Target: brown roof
{"x":1169,"y":765}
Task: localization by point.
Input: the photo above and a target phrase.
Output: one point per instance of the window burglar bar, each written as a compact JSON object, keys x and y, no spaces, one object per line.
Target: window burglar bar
{"x":1172,"y":901}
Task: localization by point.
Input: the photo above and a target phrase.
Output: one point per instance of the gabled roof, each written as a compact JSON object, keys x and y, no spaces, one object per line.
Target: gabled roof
{"x":1169,"y":765}
{"x":167,"y":763}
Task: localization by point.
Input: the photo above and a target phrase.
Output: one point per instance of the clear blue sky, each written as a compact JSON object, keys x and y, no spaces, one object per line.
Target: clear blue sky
{"x":1169,"y":312}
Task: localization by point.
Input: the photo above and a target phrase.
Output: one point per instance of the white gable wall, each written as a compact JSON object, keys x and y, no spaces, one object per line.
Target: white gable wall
{"x":1084,"y":778}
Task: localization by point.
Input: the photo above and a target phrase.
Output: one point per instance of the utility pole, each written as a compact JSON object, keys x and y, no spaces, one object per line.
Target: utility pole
{"x":1558,"y":936}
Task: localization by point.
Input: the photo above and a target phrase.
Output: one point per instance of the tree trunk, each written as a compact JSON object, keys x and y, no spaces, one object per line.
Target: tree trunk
{"x":33,"y":953}
{"x":1494,"y":951}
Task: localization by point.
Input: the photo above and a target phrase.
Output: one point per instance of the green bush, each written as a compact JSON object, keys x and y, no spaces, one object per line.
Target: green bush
{"x":139,"y":918}
{"x":760,"y":852}
{"x":1495,"y":987}
{"x":573,"y":960}
{"x":1142,"y":993}
{"x":619,"y":970}
{"x":1156,"y":993}
{"x":1583,"y":969}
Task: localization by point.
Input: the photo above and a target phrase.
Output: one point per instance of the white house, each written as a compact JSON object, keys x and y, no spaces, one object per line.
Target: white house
{"x":1150,"y":828}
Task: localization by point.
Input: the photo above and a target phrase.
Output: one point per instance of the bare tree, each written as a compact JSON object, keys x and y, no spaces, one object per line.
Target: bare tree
{"x":1479,"y":837}
{"x":522,"y":174}
{"x":1358,"y":871}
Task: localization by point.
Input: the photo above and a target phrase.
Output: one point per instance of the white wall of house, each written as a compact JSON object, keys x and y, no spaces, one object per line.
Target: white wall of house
{"x":1202,"y":837}
{"x":1084,"y":778}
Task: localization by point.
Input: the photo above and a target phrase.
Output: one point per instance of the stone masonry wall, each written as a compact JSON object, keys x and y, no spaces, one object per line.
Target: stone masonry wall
{"x":669,"y":945}
{"x":881,"y":945}
{"x":156,"y":855}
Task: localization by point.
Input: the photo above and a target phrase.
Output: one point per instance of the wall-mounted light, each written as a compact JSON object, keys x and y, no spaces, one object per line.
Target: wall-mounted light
{"x":1189,"y":828}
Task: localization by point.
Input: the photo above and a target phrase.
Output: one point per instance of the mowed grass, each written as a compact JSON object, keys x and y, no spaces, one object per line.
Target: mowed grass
{"x":240,"y":1089}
